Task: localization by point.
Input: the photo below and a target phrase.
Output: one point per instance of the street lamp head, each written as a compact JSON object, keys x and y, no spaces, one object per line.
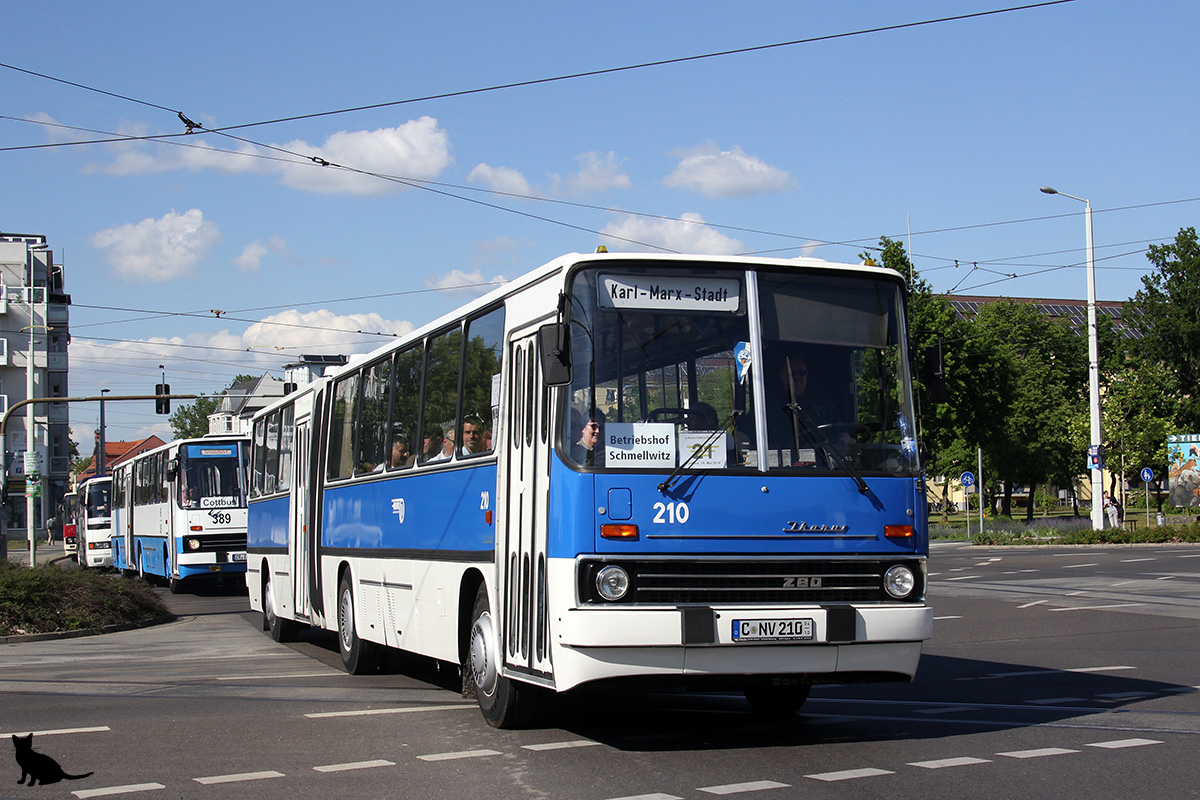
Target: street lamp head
{"x":1048,"y":190}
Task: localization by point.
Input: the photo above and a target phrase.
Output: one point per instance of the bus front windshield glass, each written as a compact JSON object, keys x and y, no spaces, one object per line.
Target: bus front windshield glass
{"x":665,"y":376}
{"x":210,"y":475}
{"x":98,"y":501}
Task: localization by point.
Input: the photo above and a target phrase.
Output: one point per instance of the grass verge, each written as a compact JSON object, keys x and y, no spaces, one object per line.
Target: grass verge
{"x":45,"y":599}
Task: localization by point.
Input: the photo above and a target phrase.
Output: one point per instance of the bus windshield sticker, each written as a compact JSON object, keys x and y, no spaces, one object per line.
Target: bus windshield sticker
{"x":714,"y":449}
{"x":670,"y":294}
{"x":218,"y":502}
{"x":638,"y":445}
{"x":742,"y":358}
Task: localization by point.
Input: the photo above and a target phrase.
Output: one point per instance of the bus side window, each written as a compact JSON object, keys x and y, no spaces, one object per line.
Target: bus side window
{"x":341,"y":428}
{"x":485,"y":338}
{"x":441,"y":394}
{"x":405,"y":442}
{"x":373,"y":416}
{"x":286,"y":432}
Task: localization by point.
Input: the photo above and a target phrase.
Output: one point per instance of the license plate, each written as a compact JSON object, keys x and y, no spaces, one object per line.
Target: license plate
{"x":762,"y":630}
{"x":237,"y":556}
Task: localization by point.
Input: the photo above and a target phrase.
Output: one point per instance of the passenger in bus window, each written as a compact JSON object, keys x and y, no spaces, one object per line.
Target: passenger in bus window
{"x":399,"y":453}
{"x":589,"y":449}
{"x":472,"y":436}
{"x":447,"y":446}
{"x":431,"y":445}
{"x":191,"y":497}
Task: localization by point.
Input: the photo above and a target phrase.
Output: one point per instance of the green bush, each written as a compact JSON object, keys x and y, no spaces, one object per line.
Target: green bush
{"x":46,"y":598}
{"x":1189,"y":532}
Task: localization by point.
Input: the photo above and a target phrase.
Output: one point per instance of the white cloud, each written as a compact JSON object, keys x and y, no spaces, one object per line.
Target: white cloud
{"x":596,"y":173}
{"x":726,"y":173}
{"x":500,"y":179}
{"x":689,"y":234}
{"x":472,"y":283}
{"x":418,"y":149}
{"x":252,"y":254}
{"x":319,"y":332}
{"x":158,"y":249}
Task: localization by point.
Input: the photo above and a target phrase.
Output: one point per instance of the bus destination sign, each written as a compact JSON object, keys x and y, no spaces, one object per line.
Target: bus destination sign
{"x":669,"y":293}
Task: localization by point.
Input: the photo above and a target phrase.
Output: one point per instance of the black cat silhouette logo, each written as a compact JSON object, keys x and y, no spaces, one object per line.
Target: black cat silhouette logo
{"x":40,"y":768}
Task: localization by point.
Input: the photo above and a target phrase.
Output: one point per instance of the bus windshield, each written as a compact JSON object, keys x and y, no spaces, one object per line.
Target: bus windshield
{"x":98,"y":505}
{"x":210,"y":475}
{"x":666,"y":373}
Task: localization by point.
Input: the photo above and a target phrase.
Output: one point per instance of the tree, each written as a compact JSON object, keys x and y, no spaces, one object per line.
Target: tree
{"x":1167,"y":313}
{"x":191,"y":421}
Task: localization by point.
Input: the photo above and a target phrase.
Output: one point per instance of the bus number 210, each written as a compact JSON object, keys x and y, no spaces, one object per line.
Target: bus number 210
{"x":670,"y":513}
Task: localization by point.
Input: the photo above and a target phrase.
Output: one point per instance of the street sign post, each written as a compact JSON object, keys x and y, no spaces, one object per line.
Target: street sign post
{"x":1147,"y":476}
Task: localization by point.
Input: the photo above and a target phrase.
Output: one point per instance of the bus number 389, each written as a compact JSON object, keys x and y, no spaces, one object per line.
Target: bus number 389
{"x":220,"y":517}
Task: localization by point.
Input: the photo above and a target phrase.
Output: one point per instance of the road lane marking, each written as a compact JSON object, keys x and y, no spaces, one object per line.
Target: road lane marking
{"x":560,"y":745}
{"x":849,"y":774}
{"x":1117,"y":744}
{"x":366,"y":712}
{"x":1097,"y":608}
{"x":110,"y":790}
{"x":59,"y":732}
{"x":1055,"y":701}
{"x":1031,"y":605}
{"x":379,"y":762}
{"x":655,"y":796}
{"x":459,"y":754}
{"x":943,"y":763}
{"x":951,"y":616}
{"x":1136,"y":560}
{"x":963,"y":577}
{"x":738,"y":788}
{"x":1080,"y":566}
{"x":1023,"y":673}
{"x":239,"y":777}
{"x":1124,"y":695}
{"x":1041,"y":752}
{"x":331,"y":673}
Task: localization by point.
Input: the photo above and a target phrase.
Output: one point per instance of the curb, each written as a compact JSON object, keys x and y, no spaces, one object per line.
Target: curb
{"x":115,"y":628}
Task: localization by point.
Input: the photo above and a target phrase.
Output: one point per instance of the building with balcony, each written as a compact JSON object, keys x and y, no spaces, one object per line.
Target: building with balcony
{"x":34,"y":336}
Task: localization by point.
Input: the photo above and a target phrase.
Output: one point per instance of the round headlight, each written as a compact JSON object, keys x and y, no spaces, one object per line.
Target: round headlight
{"x":193,"y":544}
{"x":612,"y":583}
{"x":899,"y":581}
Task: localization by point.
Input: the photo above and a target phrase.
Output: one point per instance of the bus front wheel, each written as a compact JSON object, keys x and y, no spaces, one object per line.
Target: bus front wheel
{"x":504,"y":703}
{"x":358,"y":656}
{"x":282,"y":630}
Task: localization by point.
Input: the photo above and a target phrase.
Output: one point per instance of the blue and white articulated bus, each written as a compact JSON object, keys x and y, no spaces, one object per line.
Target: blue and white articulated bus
{"x":180,"y":511}
{"x":94,"y":523}
{"x":691,"y":469}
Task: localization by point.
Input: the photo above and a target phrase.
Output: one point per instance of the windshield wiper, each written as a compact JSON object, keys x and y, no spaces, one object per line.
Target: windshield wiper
{"x":801,"y":420}
{"x":675,"y":473}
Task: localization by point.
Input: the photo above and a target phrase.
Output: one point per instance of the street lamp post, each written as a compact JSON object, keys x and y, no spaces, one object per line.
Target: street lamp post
{"x":1093,"y":364}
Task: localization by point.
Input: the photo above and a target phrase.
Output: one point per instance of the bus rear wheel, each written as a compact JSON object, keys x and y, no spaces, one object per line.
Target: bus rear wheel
{"x":505,"y":703}
{"x":358,"y":656}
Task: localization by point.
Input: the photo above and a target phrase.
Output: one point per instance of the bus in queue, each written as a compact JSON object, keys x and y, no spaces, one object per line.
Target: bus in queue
{"x":180,"y":511}
{"x":93,"y":527}
{"x":68,"y":513}
{"x":694,"y":470}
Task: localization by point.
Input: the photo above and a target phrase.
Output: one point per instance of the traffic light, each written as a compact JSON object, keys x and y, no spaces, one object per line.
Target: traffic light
{"x":162,"y":403}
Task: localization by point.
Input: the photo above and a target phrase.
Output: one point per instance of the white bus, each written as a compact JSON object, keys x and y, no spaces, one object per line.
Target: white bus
{"x":180,"y":511}
{"x":94,"y":528}
{"x":613,"y":468}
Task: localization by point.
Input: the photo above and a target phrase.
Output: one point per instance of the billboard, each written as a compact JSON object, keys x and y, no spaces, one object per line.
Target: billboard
{"x":1183,"y":470}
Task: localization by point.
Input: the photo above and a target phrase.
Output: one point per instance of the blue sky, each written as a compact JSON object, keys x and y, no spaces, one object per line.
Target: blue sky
{"x":945,"y":130}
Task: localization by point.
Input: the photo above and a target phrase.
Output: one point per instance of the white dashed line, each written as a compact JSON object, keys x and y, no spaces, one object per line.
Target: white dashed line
{"x":58,"y":732}
{"x":1124,"y":695}
{"x":366,"y":712}
{"x":242,"y":776}
{"x":561,"y":745}
{"x":1079,"y":566}
{"x":849,"y":774}
{"x":1026,"y":672}
{"x":379,"y":762}
{"x":943,"y":763}
{"x":1031,"y":605}
{"x":738,"y":788}
{"x":459,"y":754}
{"x":963,"y":577}
{"x":110,"y":790}
{"x":1097,"y":608}
{"x":1122,"y":743}
{"x":655,"y":796}
{"x":1039,"y":753}
{"x":951,"y":616}
{"x":1136,"y":560}
{"x":329,"y":674}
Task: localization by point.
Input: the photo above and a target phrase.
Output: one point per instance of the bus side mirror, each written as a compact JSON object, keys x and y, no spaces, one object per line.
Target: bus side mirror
{"x":172,"y":469}
{"x":555,"y":346}
{"x":933,"y":374}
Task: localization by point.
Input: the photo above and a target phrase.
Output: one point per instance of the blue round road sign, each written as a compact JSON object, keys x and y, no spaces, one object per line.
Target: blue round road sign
{"x":1147,"y":474}
{"x":968,"y":479}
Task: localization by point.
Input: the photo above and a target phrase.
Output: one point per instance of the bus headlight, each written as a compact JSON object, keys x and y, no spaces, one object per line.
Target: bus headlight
{"x":899,"y":581}
{"x":612,"y":583}
{"x":192,"y":544}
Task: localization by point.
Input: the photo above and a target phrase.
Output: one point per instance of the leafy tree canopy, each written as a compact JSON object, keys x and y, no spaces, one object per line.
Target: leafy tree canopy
{"x":191,"y":420}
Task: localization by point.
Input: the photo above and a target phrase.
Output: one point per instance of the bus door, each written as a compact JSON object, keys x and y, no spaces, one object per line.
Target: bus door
{"x":125,"y":531}
{"x":300,"y":522}
{"x":525,"y":476}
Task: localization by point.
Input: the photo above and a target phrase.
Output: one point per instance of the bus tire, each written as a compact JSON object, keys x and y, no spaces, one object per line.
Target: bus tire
{"x":358,"y":656}
{"x":504,"y":703}
{"x":777,"y":701}
{"x":175,"y":585}
{"x":281,"y":630}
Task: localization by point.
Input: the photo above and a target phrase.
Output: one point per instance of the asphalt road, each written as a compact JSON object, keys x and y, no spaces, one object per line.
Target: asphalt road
{"x":1053,"y":672}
